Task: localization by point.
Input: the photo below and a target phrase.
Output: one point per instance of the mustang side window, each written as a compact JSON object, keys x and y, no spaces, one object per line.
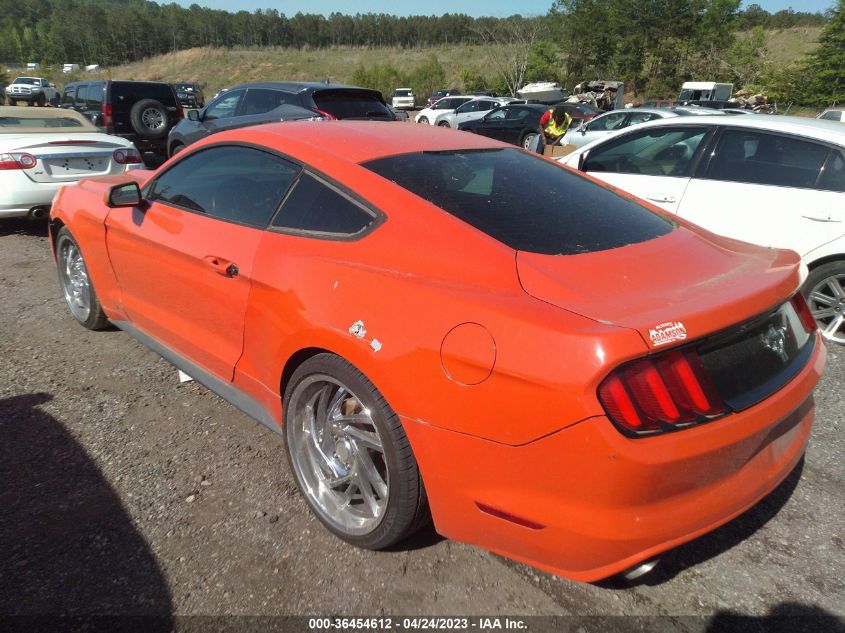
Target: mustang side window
{"x":316,"y":207}
{"x":238,"y":184}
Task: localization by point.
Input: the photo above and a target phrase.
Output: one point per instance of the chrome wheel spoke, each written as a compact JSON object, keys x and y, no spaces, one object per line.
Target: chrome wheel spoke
{"x":824,"y":299}
{"x":366,"y":439}
{"x":833,"y":327}
{"x":835,"y":286}
{"x":367,"y":469}
{"x":824,"y":313}
{"x":368,"y":496}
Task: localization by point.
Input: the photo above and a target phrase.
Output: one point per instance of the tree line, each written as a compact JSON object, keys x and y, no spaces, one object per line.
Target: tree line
{"x":651,"y":45}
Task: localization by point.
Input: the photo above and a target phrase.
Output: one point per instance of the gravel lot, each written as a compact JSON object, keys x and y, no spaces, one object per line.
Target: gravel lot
{"x":124,"y":491}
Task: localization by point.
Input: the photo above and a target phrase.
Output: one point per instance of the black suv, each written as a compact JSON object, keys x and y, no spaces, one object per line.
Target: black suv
{"x":140,"y":111}
{"x":189,"y":95}
{"x":255,"y":103}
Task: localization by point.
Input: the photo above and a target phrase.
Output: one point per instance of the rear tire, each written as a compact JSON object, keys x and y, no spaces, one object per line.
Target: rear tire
{"x":527,"y":138}
{"x":824,"y":290}
{"x":350,"y":456}
{"x":443,"y":124}
{"x":78,"y":290}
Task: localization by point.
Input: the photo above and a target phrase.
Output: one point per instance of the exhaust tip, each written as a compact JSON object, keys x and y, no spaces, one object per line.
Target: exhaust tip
{"x":638,"y":571}
{"x":39,"y":213}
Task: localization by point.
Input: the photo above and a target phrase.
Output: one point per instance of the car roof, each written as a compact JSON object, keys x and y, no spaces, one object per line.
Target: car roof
{"x":298,"y":86}
{"x":361,"y":141}
{"x":812,"y":128}
{"x":22,"y":114}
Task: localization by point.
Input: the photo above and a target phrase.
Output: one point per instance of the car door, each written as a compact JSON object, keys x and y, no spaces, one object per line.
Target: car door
{"x":254,"y":108}
{"x":654,"y":164}
{"x":769,"y":189}
{"x":184,"y":260}
{"x":493,"y":124}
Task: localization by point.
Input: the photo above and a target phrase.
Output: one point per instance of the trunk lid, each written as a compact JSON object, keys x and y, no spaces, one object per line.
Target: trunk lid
{"x":64,"y":158}
{"x":681,"y":286}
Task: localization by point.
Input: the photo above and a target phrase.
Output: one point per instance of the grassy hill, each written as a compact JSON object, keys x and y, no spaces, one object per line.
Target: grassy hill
{"x":216,"y":68}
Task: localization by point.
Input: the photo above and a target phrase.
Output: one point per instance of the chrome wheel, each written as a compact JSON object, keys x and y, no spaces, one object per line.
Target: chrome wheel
{"x":337,"y":455}
{"x":153,"y":119}
{"x":74,"y":279}
{"x":529,"y":138}
{"x":827,"y":303}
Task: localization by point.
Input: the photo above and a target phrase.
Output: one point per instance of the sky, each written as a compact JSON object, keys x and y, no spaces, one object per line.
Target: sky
{"x":498,"y":8}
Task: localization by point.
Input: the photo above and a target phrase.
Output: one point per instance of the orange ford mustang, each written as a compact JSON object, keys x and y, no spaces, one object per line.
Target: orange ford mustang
{"x":442,"y":325}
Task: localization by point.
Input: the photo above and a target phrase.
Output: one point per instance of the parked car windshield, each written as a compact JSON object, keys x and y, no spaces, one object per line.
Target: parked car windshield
{"x":351,"y":104}
{"x":523,"y":201}
{"x":27,"y":80}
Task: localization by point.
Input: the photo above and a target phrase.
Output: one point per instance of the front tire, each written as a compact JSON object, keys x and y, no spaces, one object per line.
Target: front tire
{"x":12,"y":102}
{"x":443,"y":124}
{"x":527,"y":139}
{"x":40,"y":100}
{"x":824,"y":290}
{"x":350,"y":456}
{"x":423,"y":119}
{"x":79,"y":293}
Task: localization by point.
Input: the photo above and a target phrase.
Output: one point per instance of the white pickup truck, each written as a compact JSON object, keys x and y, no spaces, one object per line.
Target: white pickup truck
{"x":34,"y":90}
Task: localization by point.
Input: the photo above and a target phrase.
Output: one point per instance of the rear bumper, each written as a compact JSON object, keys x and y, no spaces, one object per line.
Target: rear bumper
{"x":593,"y":502}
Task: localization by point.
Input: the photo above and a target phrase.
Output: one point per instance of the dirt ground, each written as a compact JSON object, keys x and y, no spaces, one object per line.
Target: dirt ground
{"x":124,"y":491}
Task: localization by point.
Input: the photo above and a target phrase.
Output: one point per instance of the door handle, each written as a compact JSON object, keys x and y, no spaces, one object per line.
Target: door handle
{"x":221,"y":266}
{"x":661,"y":197}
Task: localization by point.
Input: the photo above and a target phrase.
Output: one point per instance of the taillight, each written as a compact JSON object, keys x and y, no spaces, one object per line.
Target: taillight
{"x":324,"y":114}
{"x":660,"y":393}
{"x":108,"y":119}
{"x":17,"y":160}
{"x":180,"y":112}
{"x":126,"y":156}
{"x":807,"y":319}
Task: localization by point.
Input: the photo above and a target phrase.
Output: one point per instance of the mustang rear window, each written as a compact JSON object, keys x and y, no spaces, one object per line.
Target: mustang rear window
{"x":524,"y":201}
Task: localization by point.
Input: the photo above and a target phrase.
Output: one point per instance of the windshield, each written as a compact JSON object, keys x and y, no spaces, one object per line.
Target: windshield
{"x":19,"y":122}
{"x":352,"y":104}
{"x":401,"y":93}
{"x":524,"y":201}
{"x":30,"y":81}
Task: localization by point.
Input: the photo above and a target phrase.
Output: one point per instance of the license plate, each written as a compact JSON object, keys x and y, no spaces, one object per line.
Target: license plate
{"x":59,"y":167}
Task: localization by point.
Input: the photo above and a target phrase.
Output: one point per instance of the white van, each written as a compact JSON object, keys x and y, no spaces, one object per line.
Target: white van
{"x":705,"y":91}
{"x":70,"y":68}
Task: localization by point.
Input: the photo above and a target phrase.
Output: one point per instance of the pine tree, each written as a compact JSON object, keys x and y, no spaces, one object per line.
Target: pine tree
{"x":827,"y":64}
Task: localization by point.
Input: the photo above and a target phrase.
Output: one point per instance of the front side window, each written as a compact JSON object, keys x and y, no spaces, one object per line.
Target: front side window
{"x":612,"y":121}
{"x":94,"y":96}
{"x":498,"y":115}
{"x":663,"y":151}
{"x":238,"y":184}
{"x":226,"y":106}
{"x":469,"y":106}
{"x":315,"y":206}
{"x":523,"y":201}
{"x":766,"y":159}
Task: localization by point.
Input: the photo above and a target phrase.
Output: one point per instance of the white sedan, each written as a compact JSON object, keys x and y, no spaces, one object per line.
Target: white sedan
{"x":446,"y":104}
{"x":473,"y":109}
{"x":43,"y":149}
{"x":610,"y":122}
{"x":774,"y":181}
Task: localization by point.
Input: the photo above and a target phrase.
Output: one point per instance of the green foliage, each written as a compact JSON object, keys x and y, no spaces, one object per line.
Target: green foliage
{"x":472,"y":80}
{"x":4,"y":76}
{"x":543,"y":62}
{"x":383,"y":77}
{"x":827,"y":65}
{"x":427,"y":77}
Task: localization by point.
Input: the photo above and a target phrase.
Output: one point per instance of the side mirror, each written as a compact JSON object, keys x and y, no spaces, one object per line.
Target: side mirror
{"x":582,"y":128}
{"x":194,"y":115}
{"x":125,"y":195}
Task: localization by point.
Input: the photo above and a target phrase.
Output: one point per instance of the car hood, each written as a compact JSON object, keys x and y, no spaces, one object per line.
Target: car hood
{"x":686,"y":284}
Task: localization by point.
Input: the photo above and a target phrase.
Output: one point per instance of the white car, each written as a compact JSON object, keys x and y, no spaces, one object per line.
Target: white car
{"x":42,"y":149}
{"x":610,"y":122}
{"x":446,"y":104}
{"x":774,"y":181}
{"x":403,"y":99}
{"x":473,"y":109}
